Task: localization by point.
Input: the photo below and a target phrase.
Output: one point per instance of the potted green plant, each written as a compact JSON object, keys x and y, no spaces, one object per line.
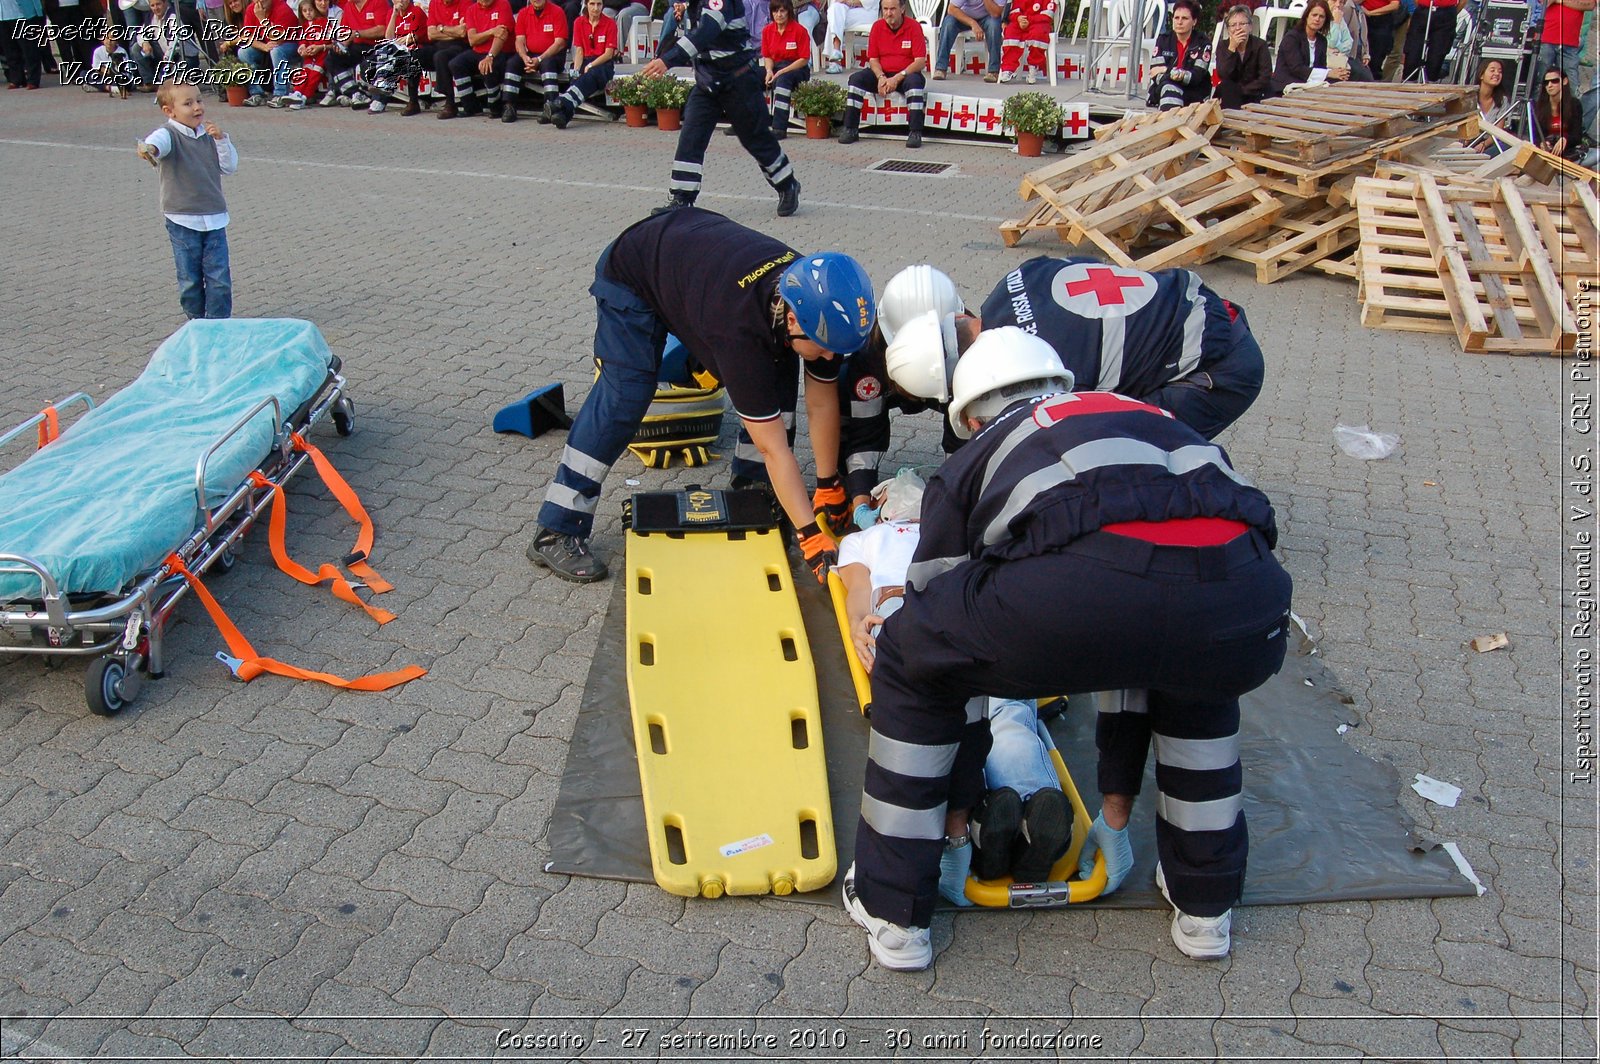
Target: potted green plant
{"x":633,"y":92}
{"x":667,"y":94}
{"x":817,"y":101}
{"x":233,"y":74}
{"x":1032,"y":116}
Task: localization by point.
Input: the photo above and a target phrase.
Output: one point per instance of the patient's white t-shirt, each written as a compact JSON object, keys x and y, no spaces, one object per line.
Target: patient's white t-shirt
{"x":885,"y":549}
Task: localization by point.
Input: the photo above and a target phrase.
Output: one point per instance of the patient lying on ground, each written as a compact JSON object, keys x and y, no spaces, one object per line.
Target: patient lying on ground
{"x":1023,"y":824}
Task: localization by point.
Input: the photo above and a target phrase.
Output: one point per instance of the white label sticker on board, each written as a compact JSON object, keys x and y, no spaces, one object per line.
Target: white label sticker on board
{"x":754,"y":842}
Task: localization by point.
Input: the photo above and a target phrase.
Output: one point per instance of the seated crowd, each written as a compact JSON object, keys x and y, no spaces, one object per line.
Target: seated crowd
{"x":478,"y":54}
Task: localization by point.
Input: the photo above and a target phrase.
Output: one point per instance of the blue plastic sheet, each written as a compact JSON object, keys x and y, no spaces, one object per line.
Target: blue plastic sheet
{"x":104,"y":503}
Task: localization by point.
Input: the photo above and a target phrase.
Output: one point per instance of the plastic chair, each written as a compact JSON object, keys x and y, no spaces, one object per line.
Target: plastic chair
{"x":1281,"y":17}
{"x":930,"y":13}
{"x":1055,"y":36}
{"x":641,"y":40}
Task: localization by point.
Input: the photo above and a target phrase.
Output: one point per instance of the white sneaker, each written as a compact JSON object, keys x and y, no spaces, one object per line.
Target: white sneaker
{"x":900,"y":949}
{"x":1033,"y":79}
{"x":329,"y":99}
{"x":359,"y":99}
{"x":377,"y":107}
{"x":1006,"y":76}
{"x":297,"y":101}
{"x":1205,"y":938}
{"x":341,"y":100}
{"x":833,"y":67}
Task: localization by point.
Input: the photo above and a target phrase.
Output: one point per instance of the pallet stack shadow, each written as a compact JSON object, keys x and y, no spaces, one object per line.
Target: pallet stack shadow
{"x":1367,"y":182}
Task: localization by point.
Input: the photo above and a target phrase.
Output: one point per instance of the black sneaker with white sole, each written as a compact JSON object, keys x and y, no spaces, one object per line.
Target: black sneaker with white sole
{"x":1046,"y":833}
{"x":995,"y":821}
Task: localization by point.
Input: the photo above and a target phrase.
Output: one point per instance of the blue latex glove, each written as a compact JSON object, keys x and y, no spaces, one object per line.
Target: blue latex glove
{"x":865,"y":516}
{"x":954,"y":867}
{"x":1117,"y":847}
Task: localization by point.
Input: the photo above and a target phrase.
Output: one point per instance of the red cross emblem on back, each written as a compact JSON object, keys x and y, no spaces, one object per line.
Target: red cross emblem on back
{"x":1096,"y":290}
{"x":1106,"y":284}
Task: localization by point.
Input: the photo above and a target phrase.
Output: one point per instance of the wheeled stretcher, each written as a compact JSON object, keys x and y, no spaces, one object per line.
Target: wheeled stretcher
{"x":1062,"y":888}
{"x":113,"y":519}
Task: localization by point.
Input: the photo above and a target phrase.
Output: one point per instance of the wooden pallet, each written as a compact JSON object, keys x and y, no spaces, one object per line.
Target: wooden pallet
{"x":1469,"y":259}
{"x":1303,"y":235}
{"x":1300,"y":144}
{"x":1153,"y":182}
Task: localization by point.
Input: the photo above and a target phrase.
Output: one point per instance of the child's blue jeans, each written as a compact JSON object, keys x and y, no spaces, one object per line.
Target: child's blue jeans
{"x":205,"y":285}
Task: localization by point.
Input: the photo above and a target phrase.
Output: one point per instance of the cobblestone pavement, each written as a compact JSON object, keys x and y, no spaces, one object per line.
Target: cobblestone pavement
{"x":224,"y":855}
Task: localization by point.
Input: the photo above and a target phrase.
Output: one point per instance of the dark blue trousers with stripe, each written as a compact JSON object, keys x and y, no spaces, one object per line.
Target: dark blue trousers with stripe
{"x":1195,"y":628}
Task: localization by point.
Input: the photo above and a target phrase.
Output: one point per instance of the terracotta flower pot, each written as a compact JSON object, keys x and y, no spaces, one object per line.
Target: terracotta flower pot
{"x":669,"y":118}
{"x":635,"y":114}
{"x":1030,"y":144}
{"x":237,"y":95}
{"x":818,"y":127}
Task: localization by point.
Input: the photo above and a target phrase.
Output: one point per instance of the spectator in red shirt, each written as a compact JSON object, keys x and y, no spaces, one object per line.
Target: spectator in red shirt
{"x":1029,"y":27}
{"x":270,"y":40}
{"x":447,"y":38}
{"x":897,"y":54}
{"x":477,"y":72}
{"x":367,"y":21}
{"x":1433,"y":27}
{"x":399,"y":55}
{"x":786,"y":57}
{"x":541,"y":45}
{"x":317,"y":35}
{"x":594,"y":34}
{"x":1561,"y":41}
{"x":1383,"y":18}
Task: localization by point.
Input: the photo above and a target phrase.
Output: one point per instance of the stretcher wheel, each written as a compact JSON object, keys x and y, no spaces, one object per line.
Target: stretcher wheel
{"x":102,"y":686}
{"x":344,"y":416}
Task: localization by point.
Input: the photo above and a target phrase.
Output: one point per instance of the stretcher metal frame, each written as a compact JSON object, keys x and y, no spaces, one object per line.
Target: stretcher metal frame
{"x":121,"y":632}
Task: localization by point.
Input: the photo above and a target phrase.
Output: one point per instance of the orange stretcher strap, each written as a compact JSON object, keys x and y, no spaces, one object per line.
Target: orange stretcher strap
{"x":50,"y":427}
{"x":249,"y":664}
{"x":352,"y":506}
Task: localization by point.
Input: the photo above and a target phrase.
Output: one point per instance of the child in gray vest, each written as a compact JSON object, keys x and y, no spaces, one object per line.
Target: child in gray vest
{"x":191,"y":161}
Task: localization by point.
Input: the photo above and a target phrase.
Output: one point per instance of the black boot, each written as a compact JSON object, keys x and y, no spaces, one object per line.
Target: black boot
{"x":510,"y":113}
{"x":788,"y":197}
{"x":676,"y":200}
{"x":852,"y":126}
{"x":914,"y":138}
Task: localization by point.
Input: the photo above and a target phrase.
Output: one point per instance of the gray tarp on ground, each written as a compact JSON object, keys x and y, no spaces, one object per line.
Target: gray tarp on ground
{"x":1325,"y":822}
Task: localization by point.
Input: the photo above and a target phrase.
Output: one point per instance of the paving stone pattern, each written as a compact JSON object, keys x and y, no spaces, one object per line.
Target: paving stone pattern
{"x":283,"y":869}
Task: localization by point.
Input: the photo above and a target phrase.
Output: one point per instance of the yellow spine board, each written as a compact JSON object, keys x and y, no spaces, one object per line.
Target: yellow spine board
{"x":858,"y":672}
{"x":725,"y":717}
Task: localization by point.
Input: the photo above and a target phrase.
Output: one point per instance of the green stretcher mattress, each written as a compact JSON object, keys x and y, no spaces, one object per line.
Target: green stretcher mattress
{"x":115,"y":493}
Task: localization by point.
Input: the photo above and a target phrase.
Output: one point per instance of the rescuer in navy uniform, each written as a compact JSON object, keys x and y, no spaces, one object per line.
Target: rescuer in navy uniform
{"x":728,"y":83}
{"x":1079,"y":542}
{"x":751,"y":310}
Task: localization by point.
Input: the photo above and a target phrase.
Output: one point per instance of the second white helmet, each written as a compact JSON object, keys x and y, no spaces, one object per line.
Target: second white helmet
{"x":914,"y":291}
{"x":922,"y":356}
{"x":1002,"y":366}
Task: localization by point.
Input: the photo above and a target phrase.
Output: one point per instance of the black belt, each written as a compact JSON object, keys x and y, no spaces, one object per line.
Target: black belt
{"x":1140,"y":556}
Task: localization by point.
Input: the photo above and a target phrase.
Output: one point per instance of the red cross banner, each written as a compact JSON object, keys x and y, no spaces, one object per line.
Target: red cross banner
{"x":1067,"y":67}
{"x":1075,"y":122}
{"x":892,"y":110}
{"x":869,"y":111}
{"x":938,"y":111}
{"x":989,"y":120}
{"x":1096,"y":290}
{"x":964,"y":114}
{"x":973,"y":58}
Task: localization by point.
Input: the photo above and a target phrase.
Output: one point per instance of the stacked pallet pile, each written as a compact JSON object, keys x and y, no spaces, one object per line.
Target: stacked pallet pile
{"x":1445,"y":237}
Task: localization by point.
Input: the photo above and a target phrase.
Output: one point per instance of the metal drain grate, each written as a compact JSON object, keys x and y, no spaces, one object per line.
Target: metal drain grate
{"x":911,"y":166}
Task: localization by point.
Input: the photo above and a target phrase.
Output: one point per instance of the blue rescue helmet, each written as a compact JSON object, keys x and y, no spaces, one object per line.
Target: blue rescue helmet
{"x":831,"y":296}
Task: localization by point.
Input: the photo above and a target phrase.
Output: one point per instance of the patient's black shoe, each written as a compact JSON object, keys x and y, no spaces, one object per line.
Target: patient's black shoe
{"x":1046,"y":834}
{"x":995,"y":821}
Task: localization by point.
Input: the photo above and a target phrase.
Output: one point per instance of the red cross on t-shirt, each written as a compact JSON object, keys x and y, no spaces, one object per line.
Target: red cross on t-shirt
{"x":1105,"y":283}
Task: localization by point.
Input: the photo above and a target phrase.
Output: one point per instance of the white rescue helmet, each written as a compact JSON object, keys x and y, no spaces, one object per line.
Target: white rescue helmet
{"x":1002,"y":366}
{"x":914,"y":291}
{"x":922,"y":356}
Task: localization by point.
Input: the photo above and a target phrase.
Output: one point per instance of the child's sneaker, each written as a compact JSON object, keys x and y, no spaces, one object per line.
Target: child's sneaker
{"x":377,"y":107}
{"x":1006,"y":76}
{"x":900,"y":949}
{"x":297,"y":101}
{"x":329,"y":99}
{"x":1205,"y":938}
{"x":279,"y":102}
{"x":249,"y":101}
{"x":359,"y":99}
{"x":1033,"y":79}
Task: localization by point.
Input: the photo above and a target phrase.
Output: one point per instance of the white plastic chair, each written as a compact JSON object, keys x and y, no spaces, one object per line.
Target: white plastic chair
{"x":641,"y":40}
{"x":1055,"y":35}
{"x":929,"y":13}
{"x":1114,"y":39}
{"x":1280,"y":17}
